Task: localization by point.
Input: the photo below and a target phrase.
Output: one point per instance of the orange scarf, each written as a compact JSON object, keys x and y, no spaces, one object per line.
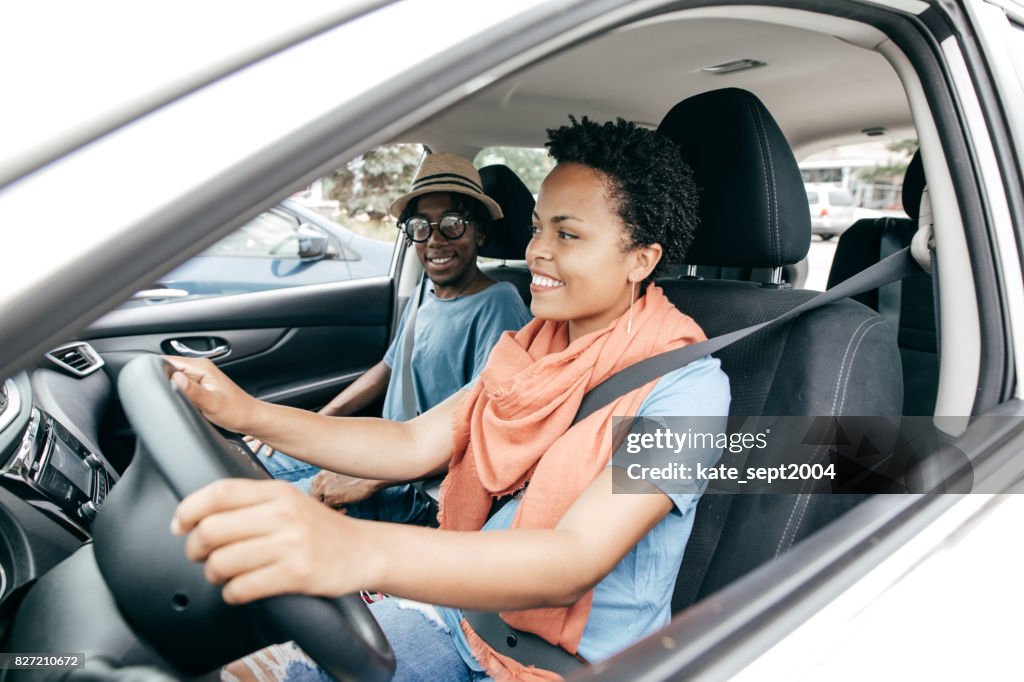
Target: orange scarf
{"x":512,"y":428}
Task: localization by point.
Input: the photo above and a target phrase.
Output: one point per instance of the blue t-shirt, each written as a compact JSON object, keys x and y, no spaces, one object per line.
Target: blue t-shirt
{"x":452,"y":341}
{"x":635,"y":599}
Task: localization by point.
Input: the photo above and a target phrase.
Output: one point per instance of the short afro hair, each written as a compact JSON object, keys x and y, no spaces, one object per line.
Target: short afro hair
{"x":651,"y":185}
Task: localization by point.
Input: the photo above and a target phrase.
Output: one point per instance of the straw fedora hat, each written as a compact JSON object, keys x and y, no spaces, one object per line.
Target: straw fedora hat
{"x":447,"y":173}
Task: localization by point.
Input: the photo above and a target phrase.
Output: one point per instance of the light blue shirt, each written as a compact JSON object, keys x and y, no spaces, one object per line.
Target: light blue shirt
{"x":635,"y":599}
{"x":453,"y":339}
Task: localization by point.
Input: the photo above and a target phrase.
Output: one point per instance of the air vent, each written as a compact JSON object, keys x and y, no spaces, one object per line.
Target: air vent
{"x":78,"y":359}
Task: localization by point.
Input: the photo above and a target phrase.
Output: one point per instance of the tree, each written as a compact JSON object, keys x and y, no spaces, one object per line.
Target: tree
{"x":531,"y":165}
{"x":891,"y":172}
{"x":366,"y":186}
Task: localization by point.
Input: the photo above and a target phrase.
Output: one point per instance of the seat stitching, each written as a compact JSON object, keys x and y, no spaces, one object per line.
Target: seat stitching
{"x":764,"y":164}
{"x":771,"y":188}
{"x":835,"y":399}
{"x":852,"y":358}
{"x":842,"y":365}
{"x":775,"y":223}
{"x":804,"y":501}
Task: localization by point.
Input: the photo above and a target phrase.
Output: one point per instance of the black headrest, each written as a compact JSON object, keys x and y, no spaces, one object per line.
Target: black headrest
{"x":753,"y":208}
{"x":913,"y":185}
{"x":511,"y":234}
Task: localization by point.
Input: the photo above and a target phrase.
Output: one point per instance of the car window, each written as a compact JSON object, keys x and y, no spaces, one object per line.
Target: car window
{"x":272,"y":233}
{"x":531,"y":164}
{"x":812,"y":197}
{"x":336,"y":229}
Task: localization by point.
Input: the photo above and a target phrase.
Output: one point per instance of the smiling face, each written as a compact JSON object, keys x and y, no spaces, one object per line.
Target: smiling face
{"x":449,"y":263}
{"x":581,"y":256}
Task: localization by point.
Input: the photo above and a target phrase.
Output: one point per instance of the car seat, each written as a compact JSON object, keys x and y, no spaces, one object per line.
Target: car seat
{"x":511,"y":234}
{"x":841,"y":359}
{"x":908,"y":306}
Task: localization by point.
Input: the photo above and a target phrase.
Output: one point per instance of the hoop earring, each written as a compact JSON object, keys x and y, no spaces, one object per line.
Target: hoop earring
{"x":632,"y":296}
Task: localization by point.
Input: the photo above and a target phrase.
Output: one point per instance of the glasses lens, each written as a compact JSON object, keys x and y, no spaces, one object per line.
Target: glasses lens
{"x":452,"y":226}
{"x":417,"y":229}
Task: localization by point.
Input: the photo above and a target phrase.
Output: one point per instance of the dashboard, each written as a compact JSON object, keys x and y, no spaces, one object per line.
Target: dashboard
{"x":53,"y":476}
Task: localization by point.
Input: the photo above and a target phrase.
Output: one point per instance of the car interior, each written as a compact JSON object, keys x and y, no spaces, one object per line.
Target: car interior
{"x":744,"y":91}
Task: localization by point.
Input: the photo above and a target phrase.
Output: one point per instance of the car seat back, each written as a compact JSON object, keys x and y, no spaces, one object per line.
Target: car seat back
{"x":511,"y":234}
{"x":909,"y":306}
{"x":840,"y":359}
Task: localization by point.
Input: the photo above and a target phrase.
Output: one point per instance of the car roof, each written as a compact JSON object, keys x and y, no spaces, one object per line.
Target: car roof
{"x":818,"y":80}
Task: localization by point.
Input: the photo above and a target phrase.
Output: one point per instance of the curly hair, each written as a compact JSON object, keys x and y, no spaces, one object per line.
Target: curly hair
{"x":647,"y":179}
{"x":467,"y":206}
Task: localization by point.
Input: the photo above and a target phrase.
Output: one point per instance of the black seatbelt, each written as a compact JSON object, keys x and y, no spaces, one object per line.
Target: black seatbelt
{"x":890,"y":296}
{"x":409,"y":403}
{"x":714,"y":510}
{"x":529,"y":649}
{"x":897,"y":266}
{"x":525,"y":647}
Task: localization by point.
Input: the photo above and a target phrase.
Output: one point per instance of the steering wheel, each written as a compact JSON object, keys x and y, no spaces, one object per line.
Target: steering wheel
{"x":162,"y":594}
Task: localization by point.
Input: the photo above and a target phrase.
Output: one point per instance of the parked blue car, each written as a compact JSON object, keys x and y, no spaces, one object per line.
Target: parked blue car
{"x":287,"y":245}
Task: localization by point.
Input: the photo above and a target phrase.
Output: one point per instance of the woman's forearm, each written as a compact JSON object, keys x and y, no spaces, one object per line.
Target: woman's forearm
{"x":359,"y":446}
{"x":493,"y":570}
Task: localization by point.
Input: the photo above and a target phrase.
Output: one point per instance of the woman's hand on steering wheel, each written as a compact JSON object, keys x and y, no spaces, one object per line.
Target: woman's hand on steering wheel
{"x":216,"y":396}
{"x":265,"y":538}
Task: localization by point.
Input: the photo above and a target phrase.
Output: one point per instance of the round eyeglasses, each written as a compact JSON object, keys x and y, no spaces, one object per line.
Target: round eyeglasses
{"x":450,"y":225}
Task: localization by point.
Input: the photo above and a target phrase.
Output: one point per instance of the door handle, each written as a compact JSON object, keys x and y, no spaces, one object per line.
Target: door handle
{"x":160,"y":294}
{"x":189,"y":352}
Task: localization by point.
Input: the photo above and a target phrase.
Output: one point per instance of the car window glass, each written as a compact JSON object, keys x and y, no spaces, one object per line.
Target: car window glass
{"x":271,"y":233}
{"x":360,"y":193}
{"x":531,"y":164}
{"x":336,"y":229}
{"x":848,"y":183}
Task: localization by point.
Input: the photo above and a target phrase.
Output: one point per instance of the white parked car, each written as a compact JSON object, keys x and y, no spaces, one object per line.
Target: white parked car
{"x":831,"y":209}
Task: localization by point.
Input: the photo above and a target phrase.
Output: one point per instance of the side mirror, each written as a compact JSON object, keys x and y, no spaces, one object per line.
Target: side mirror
{"x":312,"y":242}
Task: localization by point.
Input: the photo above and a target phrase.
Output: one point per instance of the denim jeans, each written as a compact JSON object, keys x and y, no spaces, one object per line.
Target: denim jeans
{"x":281,"y":466}
{"x":398,"y":504}
{"x":424,"y":651}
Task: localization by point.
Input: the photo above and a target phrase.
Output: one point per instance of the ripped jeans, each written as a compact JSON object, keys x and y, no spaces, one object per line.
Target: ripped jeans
{"x":424,"y":650}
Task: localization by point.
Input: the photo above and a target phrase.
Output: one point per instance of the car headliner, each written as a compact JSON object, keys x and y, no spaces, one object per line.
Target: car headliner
{"x":822,"y":89}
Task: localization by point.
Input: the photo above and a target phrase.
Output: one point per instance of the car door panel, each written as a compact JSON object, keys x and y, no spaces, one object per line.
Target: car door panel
{"x":298,"y":345}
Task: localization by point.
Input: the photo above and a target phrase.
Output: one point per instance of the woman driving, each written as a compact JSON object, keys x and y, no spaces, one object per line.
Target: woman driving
{"x":566,"y":558}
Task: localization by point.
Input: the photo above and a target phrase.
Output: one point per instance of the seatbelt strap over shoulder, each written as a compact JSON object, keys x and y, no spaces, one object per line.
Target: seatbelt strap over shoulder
{"x":890,"y":296}
{"x":409,"y":403}
{"x":897,"y":266}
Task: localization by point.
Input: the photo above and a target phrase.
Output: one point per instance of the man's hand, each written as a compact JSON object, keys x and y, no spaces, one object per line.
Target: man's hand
{"x":336,"y":490}
{"x":214,"y":394}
